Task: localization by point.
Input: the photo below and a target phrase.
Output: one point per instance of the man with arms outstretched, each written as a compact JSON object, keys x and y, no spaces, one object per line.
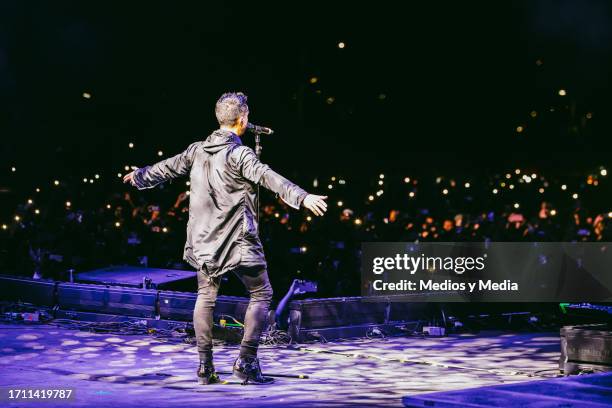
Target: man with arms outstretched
{"x":222,"y":228}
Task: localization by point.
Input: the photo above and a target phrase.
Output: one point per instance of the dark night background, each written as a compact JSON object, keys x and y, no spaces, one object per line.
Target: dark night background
{"x":457,"y":80}
{"x":466,"y":91}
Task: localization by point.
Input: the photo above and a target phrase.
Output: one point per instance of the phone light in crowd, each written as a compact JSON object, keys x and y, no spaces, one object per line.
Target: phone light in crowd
{"x":4,"y":226}
{"x":382,"y":176}
{"x":37,"y":211}
{"x":562,"y":92}
{"x":126,"y":168}
{"x":329,"y":186}
{"x":511,"y":186}
{"x":575,"y":196}
{"x":68,"y":203}
{"x":13,"y":169}
{"x":97,"y":176}
{"x":445,"y":191}
{"x":309,"y":218}
{"x":379,"y":193}
{"x":17,"y":218}
{"x":563,"y":187}
{"x":119,"y":175}
{"x":108,"y":206}
{"x":603,"y":172}
{"x":86,"y":95}
{"x":187,"y":192}
{"x":411,"y":194}
{"x":467,"y":185}
{"x":527,"y":178}
{"x":38,"y":190}
{"x":508,"y":175}
{"x":313,"y":80}
{"x":188,"y":183}
{"x":371,"y":198}
{"x":610,"y":214}
{"x":341,"y":45}
{"x":91,"y":181}
{"x":85,"y":180}
{"x":516,"y":205}
{"x":30,"y":201}
{"x":131,"y":145}
{"x":56,"y":182}
{"x":519,"y":129}
{"x":495,"y":191}
{"x":541,"y":190}
{"x":117,"y":224}
{"x":333,"y":178}
{"x":303,"y":249}
{"x":160,"y":153}
{"x":517,"y":171}
{"x":553,"y":212}
{"x":341,"y":181}
{"x":380,"y":182}
{"x":533,"y":176}
{"x":406,"y":180}
{"x":340,"y":203}
{"x":358,"y":221}
{"x":533,"y":114}
{"x":276,"y":215}
{"x":164,"y":229}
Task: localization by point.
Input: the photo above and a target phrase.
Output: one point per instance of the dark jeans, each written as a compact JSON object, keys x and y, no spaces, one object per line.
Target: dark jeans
{"x":255,"y":279}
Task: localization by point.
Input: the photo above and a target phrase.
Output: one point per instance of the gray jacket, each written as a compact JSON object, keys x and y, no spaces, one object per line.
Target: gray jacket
{"x":222,"y":226}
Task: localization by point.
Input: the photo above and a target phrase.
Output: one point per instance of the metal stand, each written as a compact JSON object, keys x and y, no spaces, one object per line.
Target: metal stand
{"x":258,"y":149}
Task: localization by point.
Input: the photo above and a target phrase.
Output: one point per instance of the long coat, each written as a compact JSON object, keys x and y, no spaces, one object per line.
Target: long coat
{"x":222,"y":227}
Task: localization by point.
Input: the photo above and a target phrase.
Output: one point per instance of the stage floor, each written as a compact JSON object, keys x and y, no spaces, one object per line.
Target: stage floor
{"x":108,"y":370}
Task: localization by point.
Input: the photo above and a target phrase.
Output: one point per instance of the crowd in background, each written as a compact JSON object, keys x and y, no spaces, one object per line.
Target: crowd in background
{"x":64,"y":227}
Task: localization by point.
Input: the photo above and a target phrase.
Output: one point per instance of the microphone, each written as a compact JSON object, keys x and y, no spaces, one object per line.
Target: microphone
{"x":259,"y":129}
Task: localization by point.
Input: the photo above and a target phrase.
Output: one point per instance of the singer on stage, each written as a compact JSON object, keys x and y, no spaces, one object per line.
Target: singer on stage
{"x":222,"y":228}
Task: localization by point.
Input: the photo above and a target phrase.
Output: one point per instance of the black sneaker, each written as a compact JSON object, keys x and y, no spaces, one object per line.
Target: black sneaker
{"x":206,"y":373}
{"x":248,"y":370}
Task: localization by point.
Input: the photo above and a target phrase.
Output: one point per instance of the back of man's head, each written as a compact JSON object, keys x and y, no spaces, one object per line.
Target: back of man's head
{"x":230,"y":107}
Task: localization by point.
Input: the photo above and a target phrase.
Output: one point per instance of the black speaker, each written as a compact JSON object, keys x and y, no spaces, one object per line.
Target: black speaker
{"x":334,"y":318}
{"x":586,"y":348}
{"x":107,"y":299}
{"x":316,"y":313}
{"x":36,"y":291}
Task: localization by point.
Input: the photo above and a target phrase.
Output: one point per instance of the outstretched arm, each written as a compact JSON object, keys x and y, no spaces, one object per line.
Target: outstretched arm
{"x":151,"y":176}
{"x":251,"y":168}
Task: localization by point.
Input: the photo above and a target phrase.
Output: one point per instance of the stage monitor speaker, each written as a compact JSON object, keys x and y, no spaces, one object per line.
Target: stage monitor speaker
{"x":316,"y":313}
{"x":335,"y":318}
{"x":107,"y":299}
{"x":586,"y":348}
{"x":413,"y":311}
{"x":40,"y":292}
